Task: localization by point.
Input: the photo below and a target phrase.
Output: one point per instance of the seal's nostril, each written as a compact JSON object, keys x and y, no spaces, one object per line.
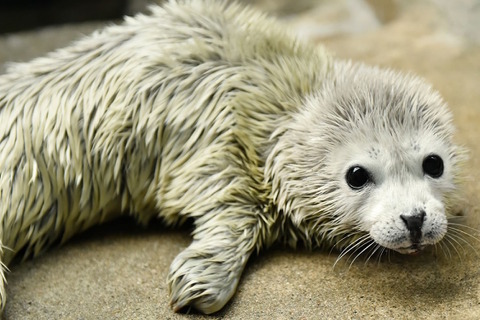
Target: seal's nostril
{"x":414,"y":221}
{"x":414,"y":224}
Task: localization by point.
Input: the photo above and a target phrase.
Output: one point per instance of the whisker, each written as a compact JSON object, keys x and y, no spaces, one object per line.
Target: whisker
{"x":463,"y":226}
{"x":361,"y":252}
{"x":347,"y":235}
{"x":372,"y":253}
{"x":384,"y":250}
{"x":449,"y":240}
{"x":351,"y":246}
{"x":463,"y":232}
{"x":354,"y":245}
{"x":446,"y":250}
{"x":456,"y":218}
{"x":388,"y":255}
{"x":459,"y":237}
{"x":352,"y":254}
{"x":461,"y":243}
{"x":442,"y":247}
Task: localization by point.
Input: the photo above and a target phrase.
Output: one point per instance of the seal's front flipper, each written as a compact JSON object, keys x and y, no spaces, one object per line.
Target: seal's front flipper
{"x":201,"y":278}
{"x":206,"y":274}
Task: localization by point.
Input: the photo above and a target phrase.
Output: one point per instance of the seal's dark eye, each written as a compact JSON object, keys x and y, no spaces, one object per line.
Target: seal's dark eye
{"x":433,"y":166}
{"x":357,"y":177}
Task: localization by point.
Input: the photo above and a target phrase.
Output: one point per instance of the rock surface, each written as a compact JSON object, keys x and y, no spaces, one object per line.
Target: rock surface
{"x":114,"y":272}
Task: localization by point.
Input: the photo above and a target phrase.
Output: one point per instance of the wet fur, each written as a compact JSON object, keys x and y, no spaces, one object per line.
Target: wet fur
{"x":202,"y":110}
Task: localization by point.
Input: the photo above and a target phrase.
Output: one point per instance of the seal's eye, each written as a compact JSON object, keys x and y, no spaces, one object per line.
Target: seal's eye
{"x":357,"y":177}
{"x":433,"y":166}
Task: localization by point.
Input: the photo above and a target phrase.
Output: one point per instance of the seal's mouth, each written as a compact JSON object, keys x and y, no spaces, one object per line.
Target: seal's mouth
{"x":414,"y":249}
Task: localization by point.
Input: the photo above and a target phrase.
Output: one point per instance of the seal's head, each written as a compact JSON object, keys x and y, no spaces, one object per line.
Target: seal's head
{"x":370,"y":159}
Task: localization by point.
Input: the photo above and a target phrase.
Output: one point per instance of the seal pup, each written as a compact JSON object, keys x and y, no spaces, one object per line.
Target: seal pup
{"x":210,"y":111}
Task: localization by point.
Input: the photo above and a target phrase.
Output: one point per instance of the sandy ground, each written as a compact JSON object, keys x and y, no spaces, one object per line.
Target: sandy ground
{"x":118,"y":271}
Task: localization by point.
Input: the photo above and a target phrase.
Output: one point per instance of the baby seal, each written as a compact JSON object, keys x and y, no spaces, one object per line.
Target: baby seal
{"x":211,"y":112}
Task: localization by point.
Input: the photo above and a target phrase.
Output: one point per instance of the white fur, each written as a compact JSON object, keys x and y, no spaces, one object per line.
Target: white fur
{"x":384,"y":122}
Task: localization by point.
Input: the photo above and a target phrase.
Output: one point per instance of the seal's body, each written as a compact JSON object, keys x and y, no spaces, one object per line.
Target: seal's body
{"x":211,"y":111}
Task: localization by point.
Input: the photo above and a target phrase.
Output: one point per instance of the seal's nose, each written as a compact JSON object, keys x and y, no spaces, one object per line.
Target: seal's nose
{"x":414,"y":225}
